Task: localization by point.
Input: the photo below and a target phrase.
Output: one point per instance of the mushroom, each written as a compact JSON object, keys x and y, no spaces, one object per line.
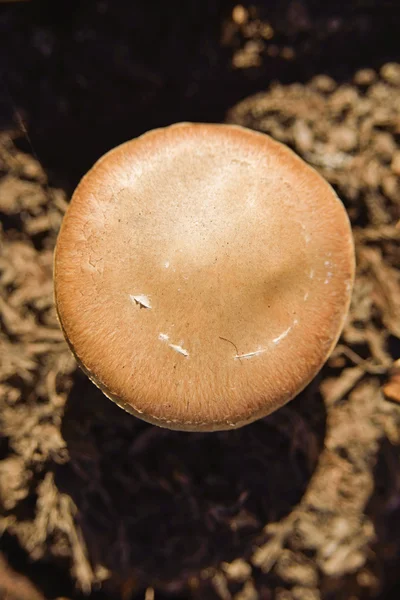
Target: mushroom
{"x":202,"y":275}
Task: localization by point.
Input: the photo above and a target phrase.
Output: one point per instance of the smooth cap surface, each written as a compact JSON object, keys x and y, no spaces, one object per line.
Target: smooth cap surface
{"x":202,"y":275}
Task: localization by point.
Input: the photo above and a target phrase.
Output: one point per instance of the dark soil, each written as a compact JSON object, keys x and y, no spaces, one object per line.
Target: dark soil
{"x":302,"y":505}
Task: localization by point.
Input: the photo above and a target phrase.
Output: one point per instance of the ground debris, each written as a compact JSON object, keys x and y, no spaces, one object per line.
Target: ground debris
{"x":15,"y":586}
{"x":391,"y":389}
{"x":290,"y":507}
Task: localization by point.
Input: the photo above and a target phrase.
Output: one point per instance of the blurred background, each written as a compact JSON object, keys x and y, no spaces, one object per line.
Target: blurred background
{"x":303,"y":505}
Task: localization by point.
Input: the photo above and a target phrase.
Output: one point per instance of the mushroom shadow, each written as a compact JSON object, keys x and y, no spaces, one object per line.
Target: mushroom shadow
{"x":161,"y":505}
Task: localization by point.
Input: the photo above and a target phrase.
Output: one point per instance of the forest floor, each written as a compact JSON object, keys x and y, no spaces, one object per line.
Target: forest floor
{"x":302,"y":505}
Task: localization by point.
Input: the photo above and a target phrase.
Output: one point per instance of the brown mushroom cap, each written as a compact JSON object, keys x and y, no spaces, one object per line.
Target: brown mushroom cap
{"x":202,"y":275}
